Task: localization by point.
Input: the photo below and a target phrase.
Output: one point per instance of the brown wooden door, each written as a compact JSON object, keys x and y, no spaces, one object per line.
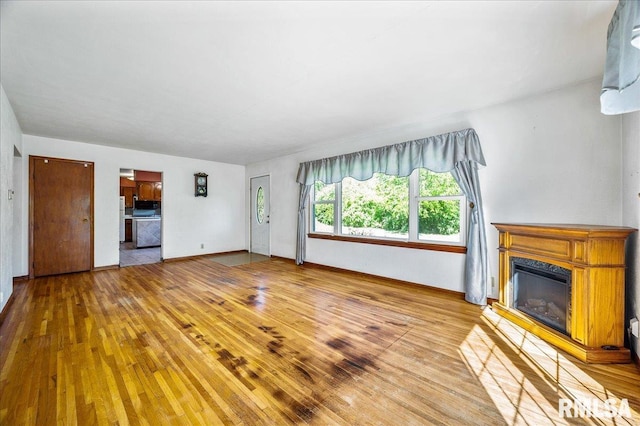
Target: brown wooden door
{"x":61,"y":216}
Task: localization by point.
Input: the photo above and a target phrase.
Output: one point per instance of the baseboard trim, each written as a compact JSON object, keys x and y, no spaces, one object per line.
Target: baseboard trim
{"x":7,"y":306}
{"x":105,"y":268}
{"x":16,"y":282}
{"x":636,"y":360}
{"x":284,"y":259}
{"x":393,"y":281}
{"x":200,"y":256}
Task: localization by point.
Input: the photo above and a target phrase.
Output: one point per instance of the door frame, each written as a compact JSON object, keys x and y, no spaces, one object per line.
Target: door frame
{"x":251,"y":213}
{"x":32,"y":160}
{"x":162,"y":221}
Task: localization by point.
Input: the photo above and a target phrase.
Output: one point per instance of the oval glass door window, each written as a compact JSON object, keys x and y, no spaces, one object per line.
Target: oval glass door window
{"x":260,"y":205}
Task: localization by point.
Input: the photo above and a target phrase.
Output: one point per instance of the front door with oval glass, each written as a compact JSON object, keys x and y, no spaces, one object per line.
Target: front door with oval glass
{"x":260,"y":228}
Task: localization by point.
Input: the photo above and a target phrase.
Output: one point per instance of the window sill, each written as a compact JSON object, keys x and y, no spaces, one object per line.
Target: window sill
{"x":407,"y":244}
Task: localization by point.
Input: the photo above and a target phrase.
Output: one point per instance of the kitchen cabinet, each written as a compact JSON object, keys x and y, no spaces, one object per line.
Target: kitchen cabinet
{"x":144,"y":176}
{"x":157,"y":191}
{"x":149,"y":191}
{"x":145,"y":190}
{"x":146,"y":232}
{"x":127,"y":183}
{"x":127,"y":193}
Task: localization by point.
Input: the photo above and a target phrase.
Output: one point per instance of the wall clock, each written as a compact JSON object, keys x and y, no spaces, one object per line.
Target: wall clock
{"x":201,"y":184}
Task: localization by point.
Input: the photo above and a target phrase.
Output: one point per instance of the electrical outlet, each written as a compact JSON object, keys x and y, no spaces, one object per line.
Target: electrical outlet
{"x":634,"y":326}
{"x":202,"y":245}
{"x":493,"y":283}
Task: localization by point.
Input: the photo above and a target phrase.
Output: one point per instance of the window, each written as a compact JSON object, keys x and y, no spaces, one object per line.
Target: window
{"x":378,"y":207}
{"x":425,"y":207}
{"x":441,"y":208}
{"x":260,"y":205}
{"x":324,"y":200}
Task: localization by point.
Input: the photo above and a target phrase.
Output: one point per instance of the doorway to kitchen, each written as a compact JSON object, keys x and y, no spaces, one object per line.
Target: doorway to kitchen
{"x":140,"y":217}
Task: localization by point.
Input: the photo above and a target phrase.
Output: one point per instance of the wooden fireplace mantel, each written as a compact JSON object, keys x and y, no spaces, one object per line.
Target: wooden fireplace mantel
{"x":595,"y":255}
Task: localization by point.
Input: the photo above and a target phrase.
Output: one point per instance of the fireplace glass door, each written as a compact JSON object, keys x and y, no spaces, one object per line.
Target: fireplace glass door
{"x":542,"y":291}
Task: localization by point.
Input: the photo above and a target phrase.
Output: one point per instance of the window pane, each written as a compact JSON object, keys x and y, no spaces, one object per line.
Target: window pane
{"x":439,"y":220}
{"x":324,"y":192}
{"x":378,"y":207}
{"x":323,"y":218}
{"x":436,"y":184}
{"x":260,"y":205}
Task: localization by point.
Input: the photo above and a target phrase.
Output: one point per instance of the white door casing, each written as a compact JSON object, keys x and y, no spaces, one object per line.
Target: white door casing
{"x":260,"y":227}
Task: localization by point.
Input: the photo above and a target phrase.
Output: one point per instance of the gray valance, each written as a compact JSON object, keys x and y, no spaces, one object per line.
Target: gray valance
{"x":621,"y":80}
{"x":437,"y":153}
{"x":456,"y":152}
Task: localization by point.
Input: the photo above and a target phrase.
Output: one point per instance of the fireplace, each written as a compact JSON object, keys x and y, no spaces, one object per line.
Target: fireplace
{"x":542,"y":291}
{"x":565,"y":284}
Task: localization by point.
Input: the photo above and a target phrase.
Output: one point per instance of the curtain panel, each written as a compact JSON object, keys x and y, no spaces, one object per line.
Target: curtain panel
{"x":457,"y":152}
{"x":621,"y":79}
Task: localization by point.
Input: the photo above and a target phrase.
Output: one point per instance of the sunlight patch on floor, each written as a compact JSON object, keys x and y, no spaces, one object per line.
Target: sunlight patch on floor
{"x":528,"y":391}
{"x":517,"y":399}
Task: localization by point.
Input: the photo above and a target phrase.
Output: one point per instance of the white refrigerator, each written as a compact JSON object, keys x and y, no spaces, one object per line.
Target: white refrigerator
{"x":121,"y":219}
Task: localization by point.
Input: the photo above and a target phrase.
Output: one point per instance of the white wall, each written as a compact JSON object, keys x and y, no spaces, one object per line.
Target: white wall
{"x":550,"y":158}
{"x":217,"y":221}
{"x":631,"y":215}
{"x":10,"y":142}
{"x":18,"y":216}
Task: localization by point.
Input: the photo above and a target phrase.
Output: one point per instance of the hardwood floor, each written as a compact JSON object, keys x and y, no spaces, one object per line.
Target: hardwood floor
{"x":198,"y":342}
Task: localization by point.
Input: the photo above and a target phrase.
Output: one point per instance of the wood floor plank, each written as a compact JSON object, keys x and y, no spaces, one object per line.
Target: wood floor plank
{"x":199,"y":342}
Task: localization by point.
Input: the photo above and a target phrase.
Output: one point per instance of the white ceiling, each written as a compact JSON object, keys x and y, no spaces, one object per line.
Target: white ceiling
{"x":240,"y":82}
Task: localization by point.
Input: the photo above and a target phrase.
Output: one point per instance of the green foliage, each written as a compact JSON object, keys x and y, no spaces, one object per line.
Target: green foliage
{"x":392,"y":207}
{"x":358,"y":212}
{"x":382,"y":202}
{"x":437,"y":184}
{"x":439,"y":217}
{"x":324,"y":213}
{"x":325,"y":191}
